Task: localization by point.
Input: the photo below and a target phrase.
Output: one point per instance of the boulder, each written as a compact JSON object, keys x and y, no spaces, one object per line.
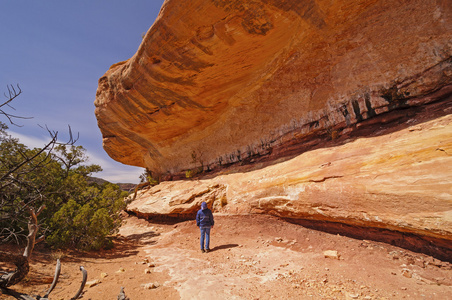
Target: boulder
{"x":178,"y":199}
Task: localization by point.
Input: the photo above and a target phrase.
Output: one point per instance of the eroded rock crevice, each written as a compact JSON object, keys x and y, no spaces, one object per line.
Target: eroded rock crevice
{"x":438,"y":248}
{"x":370,"y":118}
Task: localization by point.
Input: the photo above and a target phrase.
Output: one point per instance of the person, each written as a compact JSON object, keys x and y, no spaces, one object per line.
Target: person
{"x":204,"y":220}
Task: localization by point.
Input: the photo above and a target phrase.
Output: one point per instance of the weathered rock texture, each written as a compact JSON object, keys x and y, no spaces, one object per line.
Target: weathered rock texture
{"x":398,"y":181}
{"x":217,"y":82}
{"x":355,"y":92}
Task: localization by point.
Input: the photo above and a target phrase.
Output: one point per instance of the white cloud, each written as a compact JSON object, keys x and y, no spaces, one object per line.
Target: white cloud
{"x":114,"y":171}
{"x":30,"y":141}
{"x":120,"y":176}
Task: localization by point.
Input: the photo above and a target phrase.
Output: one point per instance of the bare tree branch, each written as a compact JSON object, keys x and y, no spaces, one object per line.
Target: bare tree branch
{"x":55,"y":279}
{"x":49,"y":145}
{"x":17,"y":275}
{"x":80,"y":290}
{"x":122,"y":295}
{"x":22,"y":261}
{"x":33,"y":228}
{"x":17,"y":295}
{"x":12,"y":94}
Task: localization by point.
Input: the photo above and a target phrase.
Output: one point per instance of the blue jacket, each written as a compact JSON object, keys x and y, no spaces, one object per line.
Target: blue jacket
{"x":204,"y":218}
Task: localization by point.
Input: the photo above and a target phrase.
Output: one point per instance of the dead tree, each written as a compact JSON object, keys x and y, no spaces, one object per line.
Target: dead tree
{"x":8,"y":179}
{"x":11,"y":178}
{"x":21,"y":296}
{"x":122,"y":295}
{"x":22,"y":261}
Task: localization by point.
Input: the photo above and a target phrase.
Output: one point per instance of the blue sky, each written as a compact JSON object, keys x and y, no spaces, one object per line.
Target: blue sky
{"x":56,"y":51}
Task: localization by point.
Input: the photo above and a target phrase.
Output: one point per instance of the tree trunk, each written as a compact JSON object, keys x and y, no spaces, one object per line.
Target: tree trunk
{"x":21,"y":261}
{"x":22,"y":269}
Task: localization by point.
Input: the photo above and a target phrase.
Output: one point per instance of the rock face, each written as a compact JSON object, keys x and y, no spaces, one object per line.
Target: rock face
{"x":398,"y":181}
{"x":328,"y":111}
{"x":219,"y":82}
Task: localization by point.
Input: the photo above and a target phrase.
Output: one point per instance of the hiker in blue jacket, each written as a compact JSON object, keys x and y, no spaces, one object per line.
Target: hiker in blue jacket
{"x":204,"y":220}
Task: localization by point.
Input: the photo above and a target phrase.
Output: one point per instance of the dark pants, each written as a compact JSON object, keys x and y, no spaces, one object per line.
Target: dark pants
{"x":205,"y":234}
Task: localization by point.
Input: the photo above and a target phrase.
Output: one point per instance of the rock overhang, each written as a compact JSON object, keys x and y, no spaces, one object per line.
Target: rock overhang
{"x":217,"y":82}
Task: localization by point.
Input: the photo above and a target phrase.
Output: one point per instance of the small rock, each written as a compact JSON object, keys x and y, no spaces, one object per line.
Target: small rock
{"x":151,"y":265}
{"x":407,"y":273}
{"x":149,"y":286}
{"x":331,"y":254}
{"x":147,"y":271}
{"x":92,"y":283}
{"x":103,"y":275}
{"x":121,"y":270}
{"x":353,"y":296}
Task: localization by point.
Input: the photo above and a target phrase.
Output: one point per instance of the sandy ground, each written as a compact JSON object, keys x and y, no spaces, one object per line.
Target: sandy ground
{"x":252,"y":257}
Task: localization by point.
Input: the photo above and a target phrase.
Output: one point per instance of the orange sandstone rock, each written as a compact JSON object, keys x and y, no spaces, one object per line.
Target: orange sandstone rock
{"x":398,"y":181}
{"x":218,"y":82}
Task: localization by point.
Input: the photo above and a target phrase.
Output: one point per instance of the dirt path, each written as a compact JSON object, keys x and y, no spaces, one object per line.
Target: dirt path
{"x":253,"y":257}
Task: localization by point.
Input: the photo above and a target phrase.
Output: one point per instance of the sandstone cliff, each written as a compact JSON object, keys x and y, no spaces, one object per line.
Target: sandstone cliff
{"x":216,"y":82}
{"x":333,"y":111}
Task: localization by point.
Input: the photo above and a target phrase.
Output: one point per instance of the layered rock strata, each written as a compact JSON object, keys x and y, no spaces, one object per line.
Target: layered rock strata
{"x":218,"y":82}
{"x":398,"y":181}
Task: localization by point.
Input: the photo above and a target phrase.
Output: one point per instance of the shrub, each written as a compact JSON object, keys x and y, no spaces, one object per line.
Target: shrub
{"x":78,"y":214}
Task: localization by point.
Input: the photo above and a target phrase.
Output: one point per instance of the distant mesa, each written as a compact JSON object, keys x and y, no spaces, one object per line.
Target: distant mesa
{"x":123,"y":186}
